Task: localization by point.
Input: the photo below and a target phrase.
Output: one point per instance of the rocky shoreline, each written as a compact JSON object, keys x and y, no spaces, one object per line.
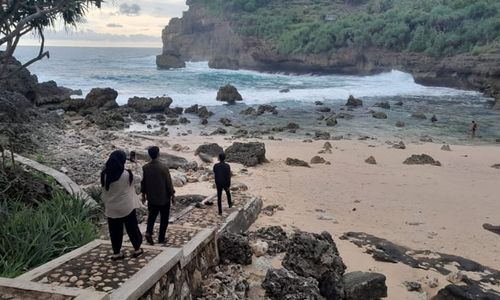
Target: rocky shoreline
{"x":201,"y":36}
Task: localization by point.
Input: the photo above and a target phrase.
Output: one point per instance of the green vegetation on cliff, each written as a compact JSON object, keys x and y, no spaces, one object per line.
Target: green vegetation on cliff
{"x":434,"y":27}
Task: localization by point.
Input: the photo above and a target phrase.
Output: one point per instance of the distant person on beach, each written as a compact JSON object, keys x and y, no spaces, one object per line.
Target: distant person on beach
{"x":222,"y":173}
{"x":158,"y":191}
{"x":473,"y":128}
{"x":434,"y":119}
{"x":120,"y":202}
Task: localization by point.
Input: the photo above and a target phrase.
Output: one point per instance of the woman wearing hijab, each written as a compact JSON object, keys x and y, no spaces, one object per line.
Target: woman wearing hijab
{"x":120,"y":202}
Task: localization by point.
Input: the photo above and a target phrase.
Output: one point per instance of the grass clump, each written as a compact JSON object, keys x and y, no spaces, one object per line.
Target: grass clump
{"x":31,"y":235}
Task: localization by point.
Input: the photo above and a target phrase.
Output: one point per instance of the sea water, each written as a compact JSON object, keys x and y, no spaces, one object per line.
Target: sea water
{"x":133,"y":72}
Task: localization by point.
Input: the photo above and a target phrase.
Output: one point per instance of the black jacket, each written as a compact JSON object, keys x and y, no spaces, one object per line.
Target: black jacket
{"x":222,"y":173}
{"x":157,"y":183}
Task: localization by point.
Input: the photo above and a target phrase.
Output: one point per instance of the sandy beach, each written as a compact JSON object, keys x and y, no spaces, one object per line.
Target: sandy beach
{"x":422,"y":207}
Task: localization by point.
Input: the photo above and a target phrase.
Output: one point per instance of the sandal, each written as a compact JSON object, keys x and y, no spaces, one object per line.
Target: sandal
{"x":116,"y":257}
{"x":137,"y":253}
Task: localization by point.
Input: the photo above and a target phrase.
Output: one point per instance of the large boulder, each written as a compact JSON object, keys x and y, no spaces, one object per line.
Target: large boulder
{"x":247,"y":154}
{"x":211,"y":149}
{"x":101,"y":98}
{"x":234,"y":248}
{"x":170,"y":59}
{"x":172,"y":161}
{"x":21,"y":81}
{"x":353,"y":102}
{"x":150,"y":105}
{"x":466,"y":292}
{"x":229,"y":94}
{"x":364,"y":286}
{"x":14,"y":108}
{"x":283,"y":284}
{"x":422,"y":159}
{"x":50,"y":93}
{"x":316,"y":255}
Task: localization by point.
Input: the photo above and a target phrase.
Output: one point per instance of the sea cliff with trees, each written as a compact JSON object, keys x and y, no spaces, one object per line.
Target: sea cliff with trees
{"x":453,"y":43}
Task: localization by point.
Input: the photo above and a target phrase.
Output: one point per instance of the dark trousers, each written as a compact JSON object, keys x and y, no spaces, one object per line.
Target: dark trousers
{"x":219,"y":197}
{"x":116,"y":231}
{"x":164,"y":211}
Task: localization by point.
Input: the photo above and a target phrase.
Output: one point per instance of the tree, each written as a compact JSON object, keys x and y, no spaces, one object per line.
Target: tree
{"x":20,"y":17}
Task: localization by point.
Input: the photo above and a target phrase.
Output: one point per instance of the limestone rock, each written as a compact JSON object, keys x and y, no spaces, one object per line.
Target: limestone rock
{"x":229,"y":94}
{"x":234,"y":248}
{"x":259,"y":248}
{"x":266,"y":108}
{"x":399,"y":145}
{"x":371,"y":160}
{"x":247,"y":154}
{"x":226,"y":122}
{"x":364,"y":286}
{"x":446,"y":148}
{"x":383,"y":104}
{"x":211,"y":149}
{"x":464,"y":292}
{"x":283,"y":284}
{"x":400,"y":124}
{"x":103,"y":98}
{"x":205,"y":158}
{"x":331,"y":121}
{"x":316,"y":255}
{"x":249,"y":111}
{"x":318,"y":160}
{"x":379,"y":115}
{"x":412,"y":286}
{"x":422,"y":159}
{"x":170,"y":60}
{"x":294,"y":162}
{"x":353,"y":102}
{"x":150,"y":105}
{"x":322,"y":135}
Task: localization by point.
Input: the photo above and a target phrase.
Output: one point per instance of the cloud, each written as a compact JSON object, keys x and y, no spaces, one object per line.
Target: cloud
{"x":130,"y":10}
{"x":113,"y":25}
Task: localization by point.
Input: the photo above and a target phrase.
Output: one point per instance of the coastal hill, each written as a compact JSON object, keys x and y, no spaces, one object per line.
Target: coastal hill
{"x":452,"y":43}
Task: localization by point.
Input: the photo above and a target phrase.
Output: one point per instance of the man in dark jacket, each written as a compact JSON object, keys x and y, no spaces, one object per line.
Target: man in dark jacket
{"x":157,"y":189}
{"x":222,"y":173}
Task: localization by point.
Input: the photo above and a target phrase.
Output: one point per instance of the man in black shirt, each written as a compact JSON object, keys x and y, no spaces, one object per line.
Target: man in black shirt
{"x":158,"y":190}
{"x":222,"y":173}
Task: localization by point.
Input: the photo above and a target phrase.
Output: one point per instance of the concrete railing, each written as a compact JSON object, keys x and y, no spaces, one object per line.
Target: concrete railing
{"x":69,"y":185}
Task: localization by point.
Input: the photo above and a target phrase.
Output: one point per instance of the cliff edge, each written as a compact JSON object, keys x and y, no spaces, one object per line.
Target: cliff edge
{"x":301,"y":36}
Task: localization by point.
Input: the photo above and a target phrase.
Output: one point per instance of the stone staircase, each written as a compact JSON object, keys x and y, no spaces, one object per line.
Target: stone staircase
{"x":171,"y":271}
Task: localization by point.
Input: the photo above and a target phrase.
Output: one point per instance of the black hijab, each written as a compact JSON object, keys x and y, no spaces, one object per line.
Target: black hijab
{"x":114,"y":168}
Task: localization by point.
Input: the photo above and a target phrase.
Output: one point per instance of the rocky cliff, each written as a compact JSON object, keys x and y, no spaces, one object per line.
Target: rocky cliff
{"x":202,"y":35}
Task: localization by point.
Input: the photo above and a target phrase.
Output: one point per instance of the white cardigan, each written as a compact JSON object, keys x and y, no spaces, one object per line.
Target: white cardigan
{"x":121,"y":198}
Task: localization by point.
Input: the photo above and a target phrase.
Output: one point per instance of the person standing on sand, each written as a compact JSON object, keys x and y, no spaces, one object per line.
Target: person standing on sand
{"x":222,"y":174}
{"x":120,"y":202}
{"x":158,"y":191}
{"x":473,"y":129}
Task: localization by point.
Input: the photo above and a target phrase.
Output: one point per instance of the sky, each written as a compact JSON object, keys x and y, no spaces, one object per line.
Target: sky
{"x":119,"y":23}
